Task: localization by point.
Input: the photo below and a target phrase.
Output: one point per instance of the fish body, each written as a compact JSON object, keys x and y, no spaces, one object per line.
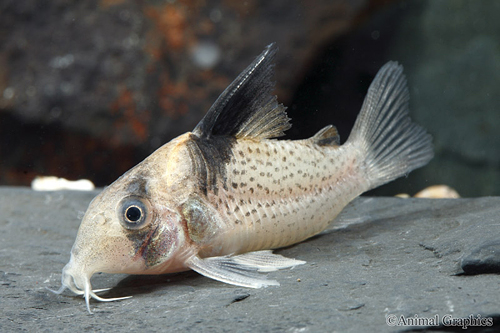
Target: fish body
{"x":218,"y":199}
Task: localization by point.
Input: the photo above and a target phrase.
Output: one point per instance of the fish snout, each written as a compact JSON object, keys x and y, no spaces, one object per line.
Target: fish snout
{"x":74,"y":278}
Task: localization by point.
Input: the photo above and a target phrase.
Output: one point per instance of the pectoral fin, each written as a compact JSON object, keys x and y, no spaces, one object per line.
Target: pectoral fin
{"x":243,"y":270}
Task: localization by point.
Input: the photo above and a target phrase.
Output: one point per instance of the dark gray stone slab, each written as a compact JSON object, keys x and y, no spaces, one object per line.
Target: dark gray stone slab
{"x":403,"y":257}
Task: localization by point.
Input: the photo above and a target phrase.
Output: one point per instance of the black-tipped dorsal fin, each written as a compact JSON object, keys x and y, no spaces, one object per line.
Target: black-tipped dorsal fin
{"x":246,"y":109}
{"x":328,"y":136}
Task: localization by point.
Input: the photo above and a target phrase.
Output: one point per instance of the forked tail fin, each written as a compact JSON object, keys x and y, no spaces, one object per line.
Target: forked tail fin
{"x":392,"y":145}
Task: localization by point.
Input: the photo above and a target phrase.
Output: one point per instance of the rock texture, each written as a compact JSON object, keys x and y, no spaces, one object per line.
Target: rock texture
{"x":88,"y":89}
{"x":395,"y":257}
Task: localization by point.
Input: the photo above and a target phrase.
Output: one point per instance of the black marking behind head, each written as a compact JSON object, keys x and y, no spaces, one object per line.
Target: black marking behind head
{"x":246,"y":108}
{"x":209,"y":158}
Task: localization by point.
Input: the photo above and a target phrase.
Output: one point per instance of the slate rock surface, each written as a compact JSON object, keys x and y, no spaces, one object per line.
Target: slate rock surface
{"x":402,"y":257}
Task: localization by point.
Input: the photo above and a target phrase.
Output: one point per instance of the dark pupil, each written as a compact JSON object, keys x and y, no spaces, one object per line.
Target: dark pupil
{"x":133,"y":214}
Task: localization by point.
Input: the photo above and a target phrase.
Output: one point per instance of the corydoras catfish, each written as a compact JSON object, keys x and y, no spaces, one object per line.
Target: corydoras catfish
{"x":218,"y":199}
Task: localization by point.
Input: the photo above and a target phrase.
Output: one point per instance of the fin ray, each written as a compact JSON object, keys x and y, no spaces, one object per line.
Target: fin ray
{"x":391,"y":143}
{"x":246,"y":109}
{"x":327,"y":136}
{"x":242,"y":270}
{"x":266,"y":261}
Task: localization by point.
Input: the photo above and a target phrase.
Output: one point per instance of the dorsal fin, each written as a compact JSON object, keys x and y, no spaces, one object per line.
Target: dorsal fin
{"x":328,"y":136}
{"x":246,"y":109}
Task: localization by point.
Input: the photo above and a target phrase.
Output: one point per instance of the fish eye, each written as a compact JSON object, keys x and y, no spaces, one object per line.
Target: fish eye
{"x":134,"y":213}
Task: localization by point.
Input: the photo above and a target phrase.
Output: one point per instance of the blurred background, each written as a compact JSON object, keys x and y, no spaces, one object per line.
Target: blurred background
{"x":90,"y":88}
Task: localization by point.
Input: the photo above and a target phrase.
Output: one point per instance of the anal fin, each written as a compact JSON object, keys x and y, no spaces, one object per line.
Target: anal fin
{"x":243,"y":270}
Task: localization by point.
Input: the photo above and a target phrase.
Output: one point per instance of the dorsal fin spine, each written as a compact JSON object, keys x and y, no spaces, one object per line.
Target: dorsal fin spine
{"x":246,"y":109}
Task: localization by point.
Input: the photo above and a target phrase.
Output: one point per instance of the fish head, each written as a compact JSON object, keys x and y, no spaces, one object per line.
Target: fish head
{"x":131,"y":227}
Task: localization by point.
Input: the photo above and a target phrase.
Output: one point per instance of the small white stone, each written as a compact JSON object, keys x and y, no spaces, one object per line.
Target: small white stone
{"x":52,"y":183}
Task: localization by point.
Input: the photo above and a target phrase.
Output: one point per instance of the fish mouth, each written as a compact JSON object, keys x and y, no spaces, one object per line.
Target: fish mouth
{"x":78,"y":282}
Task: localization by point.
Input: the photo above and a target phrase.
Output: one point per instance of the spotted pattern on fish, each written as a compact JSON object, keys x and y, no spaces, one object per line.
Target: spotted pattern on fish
{"x":281,"y":192}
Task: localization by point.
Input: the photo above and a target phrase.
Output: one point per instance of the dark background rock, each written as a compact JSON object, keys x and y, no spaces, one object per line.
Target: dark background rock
{"x":89,"y":89}
{"x":402,"y":257}
{"x":450,"y":51}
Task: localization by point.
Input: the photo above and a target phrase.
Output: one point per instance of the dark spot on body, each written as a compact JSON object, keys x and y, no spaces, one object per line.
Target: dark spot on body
{"x":139,"y":186}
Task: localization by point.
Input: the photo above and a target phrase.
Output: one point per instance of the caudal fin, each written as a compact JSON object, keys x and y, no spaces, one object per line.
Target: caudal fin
{"x":391,"y":143}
